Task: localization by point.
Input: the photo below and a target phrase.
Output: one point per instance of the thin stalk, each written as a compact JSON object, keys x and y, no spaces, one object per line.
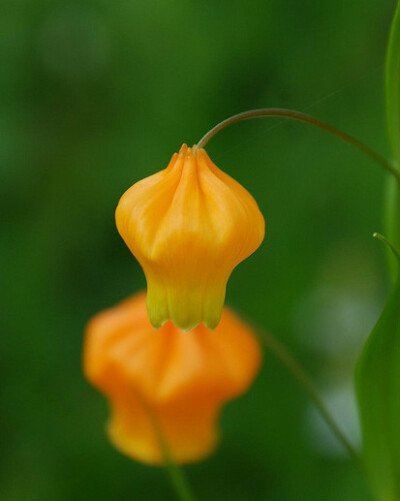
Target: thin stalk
{"x":388,"y":244}
{"x":301,"y":117}
{"x":305,"y":381}
{"x":178,"y":481}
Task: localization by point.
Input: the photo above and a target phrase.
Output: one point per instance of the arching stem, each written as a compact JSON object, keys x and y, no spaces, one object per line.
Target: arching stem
{"x":301,"y":117}
{"x":273,"y":344}
{"x":306,"y":382}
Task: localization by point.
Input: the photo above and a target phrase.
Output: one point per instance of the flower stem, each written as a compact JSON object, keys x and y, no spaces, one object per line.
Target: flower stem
{"x":178,"y":481}
{"x":388,"y":244}
{"x":301,"y":117}
{"x":305,"y":381}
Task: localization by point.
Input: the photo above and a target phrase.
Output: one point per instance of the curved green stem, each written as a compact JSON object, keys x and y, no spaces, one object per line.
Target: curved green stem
{"x":305,"y":381}
{"x":276,"y":347}
{"x":175,"y":474}
{"x":301,"y":117}
{"x":385,"y":241}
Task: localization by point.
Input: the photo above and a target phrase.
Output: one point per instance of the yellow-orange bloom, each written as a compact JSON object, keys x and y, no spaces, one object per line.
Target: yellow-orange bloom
{"x":183,"y":378}
{"x":189,"y":225}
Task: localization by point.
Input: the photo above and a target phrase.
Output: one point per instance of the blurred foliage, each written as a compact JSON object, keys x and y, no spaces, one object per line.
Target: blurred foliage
{"x":96,"y":95}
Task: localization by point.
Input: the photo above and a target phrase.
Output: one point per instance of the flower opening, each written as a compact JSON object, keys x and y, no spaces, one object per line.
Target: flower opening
{"x":189,"y":226}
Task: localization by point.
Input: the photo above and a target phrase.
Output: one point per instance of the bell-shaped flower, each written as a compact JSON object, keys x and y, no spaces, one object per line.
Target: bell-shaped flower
{"x":189,"y":225}
{"x":180,"y":379}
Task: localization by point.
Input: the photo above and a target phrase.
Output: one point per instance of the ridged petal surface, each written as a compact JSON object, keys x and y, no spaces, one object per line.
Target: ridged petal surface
{"x":189,"y":226}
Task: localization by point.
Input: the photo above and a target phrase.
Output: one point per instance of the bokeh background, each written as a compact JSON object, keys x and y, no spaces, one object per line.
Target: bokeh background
{"x":96,"y":95}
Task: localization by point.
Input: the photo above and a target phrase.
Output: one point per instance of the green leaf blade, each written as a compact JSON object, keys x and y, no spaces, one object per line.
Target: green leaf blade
{"x":378,"y":395}
{"x":392,"y":84}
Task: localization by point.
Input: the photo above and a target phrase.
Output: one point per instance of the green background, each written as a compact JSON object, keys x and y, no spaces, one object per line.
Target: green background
{"x":95,"y":95}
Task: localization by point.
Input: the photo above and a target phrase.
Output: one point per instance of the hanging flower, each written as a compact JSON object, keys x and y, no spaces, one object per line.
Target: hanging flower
{"x":182,"y":379}
{"x":189,"y":225}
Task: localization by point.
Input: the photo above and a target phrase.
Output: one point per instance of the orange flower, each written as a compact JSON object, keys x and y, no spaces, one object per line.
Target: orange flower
{"x":183,"y":378}
{"x":189,"y":225}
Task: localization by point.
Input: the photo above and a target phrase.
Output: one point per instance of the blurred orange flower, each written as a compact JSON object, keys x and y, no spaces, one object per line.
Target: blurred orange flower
{"x":189,"y":225}
{"x":183,"y":378}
